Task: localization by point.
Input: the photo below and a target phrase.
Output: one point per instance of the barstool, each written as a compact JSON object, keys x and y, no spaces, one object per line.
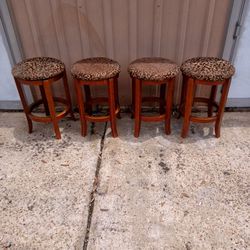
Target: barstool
{"x":97,"y":71}
{"x":209,"y":71}
{"x":42,"y":72}
{"x":153,"y":71}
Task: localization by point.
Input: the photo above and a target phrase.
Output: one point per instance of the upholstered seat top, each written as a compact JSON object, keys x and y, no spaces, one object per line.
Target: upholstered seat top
{"x":153,"y":69}
{"x":208,"y":68}
{"x":95,"y":68}
{"x":38,"y":68}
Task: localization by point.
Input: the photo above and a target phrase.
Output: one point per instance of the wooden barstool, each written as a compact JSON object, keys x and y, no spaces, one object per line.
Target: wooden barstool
{"x":153,"y":71}
{"x":97,"y":71}
{"x":42,"y":72}
{"x":209,"y":71}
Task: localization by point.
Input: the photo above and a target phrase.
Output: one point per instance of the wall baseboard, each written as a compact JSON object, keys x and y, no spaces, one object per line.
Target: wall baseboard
{"x":238,"y":102}
{"x":231,"y":103}
{"x":10,"y":105}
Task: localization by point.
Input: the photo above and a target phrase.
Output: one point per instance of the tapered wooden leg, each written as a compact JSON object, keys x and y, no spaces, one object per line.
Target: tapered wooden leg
{"x":45,"y":103}
{"x":162,"y":97}
{"x":80,"y":101}
{"x":169,"y":103}
{"x":25,"y":105}
{"x":133,"y":99}
{"x":88,"y":99}
{"x":138,"y":89}
{"x":49,"y":97}
{"x":183,"y":96}
{"x":117,"y":103}
{"x":188,"y":107}
{"x":67,"y":94}
{"x":111,"y":94}
{"x":211,"y":100}
{"x":222,"y":104}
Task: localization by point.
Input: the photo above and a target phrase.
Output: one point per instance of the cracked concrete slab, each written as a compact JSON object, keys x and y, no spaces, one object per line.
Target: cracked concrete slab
{"x":45,"y":183}
{"x":155,"y":192}
{"x":165,"y":192}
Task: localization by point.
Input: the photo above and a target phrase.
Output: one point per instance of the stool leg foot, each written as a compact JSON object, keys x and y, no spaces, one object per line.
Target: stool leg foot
{"x":51,"y":106}
{"x":169,"y":103}
{"x":222,"y":104}
{"x":117,"y":103}
{"x":30,"y":125}
{"x":112,"y":103}
{"x":56,"y":129}
{"x":81,"y":107}
{"x":188,"y":107}
{"x":25,"y":105}
{"x":67,"y":94}
{"x":138,"y":86}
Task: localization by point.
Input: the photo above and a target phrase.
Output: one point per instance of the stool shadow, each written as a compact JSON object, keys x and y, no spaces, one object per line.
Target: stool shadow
{"x":155,"y":129}
{"x":70,"y":131}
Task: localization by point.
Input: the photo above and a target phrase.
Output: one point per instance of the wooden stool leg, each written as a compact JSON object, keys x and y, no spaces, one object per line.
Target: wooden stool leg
{"x":45,"y":103}
{"x":80,"y":101}
{"x":222,"y":104}
{"x":67,"y":94}
{"x":88,"y":99}
{"x":162,"y":98}
{"x":111,"y":94}
{"x":49,"y":97}
{"x":24,"y":103}
{"x":169,"y":103}
{"x":183,"y":96}
{"x":211,"y":100}
{"x":138,"y":94}
{"x":133,"y":99}
{"x":117,"y":103}
{"x":188,"y":107}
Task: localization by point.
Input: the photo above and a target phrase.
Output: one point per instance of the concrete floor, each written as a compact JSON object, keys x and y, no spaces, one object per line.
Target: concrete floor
{"x":155,"y":192}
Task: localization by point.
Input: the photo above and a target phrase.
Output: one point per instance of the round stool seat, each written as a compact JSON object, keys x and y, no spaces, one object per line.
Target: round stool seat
{"x":208,"y":68}
{"x":153,"y":69}
{"x":38,"y":68}
{"x":95,"y":68}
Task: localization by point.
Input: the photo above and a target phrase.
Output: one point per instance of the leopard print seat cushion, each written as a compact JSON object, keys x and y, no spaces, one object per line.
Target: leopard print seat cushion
{"x":95,"y":68}
{"x":208,"y":68}
{"x":153,"y":69}
{"x":38,"y":68}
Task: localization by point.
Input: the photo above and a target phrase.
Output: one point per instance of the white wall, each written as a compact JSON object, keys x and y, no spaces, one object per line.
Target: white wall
{"x":240,"y":87}
{"x":8,"y":89}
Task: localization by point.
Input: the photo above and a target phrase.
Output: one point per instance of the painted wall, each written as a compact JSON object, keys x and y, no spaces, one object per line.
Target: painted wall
{"x":123,"y":30}
{"x":8,"y":89}
{"x":240,"y":87}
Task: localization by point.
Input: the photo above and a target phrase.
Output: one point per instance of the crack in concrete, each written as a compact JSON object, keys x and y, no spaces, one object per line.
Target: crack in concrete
{"x":93,"y":192}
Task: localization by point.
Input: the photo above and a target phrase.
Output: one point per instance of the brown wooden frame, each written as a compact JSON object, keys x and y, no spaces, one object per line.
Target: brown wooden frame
{"x":188,"y":99}
{"x":85,"y":107}
{"x":47,"y":100}
{"x":165,"y":99}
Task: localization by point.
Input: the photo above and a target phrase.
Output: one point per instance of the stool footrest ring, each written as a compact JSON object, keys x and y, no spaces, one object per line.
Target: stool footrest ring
{"x":48,"y":118}
{"x":203,"y":119}
{"x":205,"y":100}
{"x":202,"y":100}
{"x":153,"y":118}
{"x":105,"y":118}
